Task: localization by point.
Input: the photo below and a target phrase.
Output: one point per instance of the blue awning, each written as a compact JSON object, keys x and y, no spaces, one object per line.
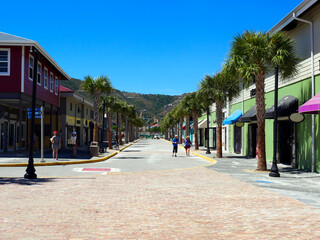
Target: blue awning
{"x":233,"y":118}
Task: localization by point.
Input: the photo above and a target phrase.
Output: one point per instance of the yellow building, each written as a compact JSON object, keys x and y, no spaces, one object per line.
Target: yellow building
{"x":77,"y":115}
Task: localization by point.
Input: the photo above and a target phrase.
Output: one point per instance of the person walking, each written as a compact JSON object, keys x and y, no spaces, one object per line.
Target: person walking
{"x":55,"y":145}
{"x":187,"y":145}
{"x":175,"y":145}
{"x":73,"y":141}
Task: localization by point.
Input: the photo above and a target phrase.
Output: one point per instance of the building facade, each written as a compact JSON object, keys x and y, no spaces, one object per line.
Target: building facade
{"x":298,"y":143}
{"x":16,"y":80}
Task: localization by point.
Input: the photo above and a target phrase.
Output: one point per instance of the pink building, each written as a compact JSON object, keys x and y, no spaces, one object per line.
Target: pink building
{"x":16,"y":79}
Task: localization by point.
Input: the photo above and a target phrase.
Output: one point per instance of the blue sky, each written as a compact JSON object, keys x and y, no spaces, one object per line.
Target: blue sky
{"x":163,"y":47}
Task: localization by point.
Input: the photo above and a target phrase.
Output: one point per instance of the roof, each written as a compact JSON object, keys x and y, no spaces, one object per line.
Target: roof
{"x":65,"y":89}
{"x":8,"y":39}
{"x":301,"y":8}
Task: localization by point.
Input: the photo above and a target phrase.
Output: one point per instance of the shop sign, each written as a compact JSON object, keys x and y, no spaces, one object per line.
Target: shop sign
{"x":13,"y":116}
{"x":296,"y":117}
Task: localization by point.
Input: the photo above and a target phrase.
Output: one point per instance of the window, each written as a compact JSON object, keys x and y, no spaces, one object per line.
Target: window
{"x":70,"y":106}
{"x":31,"y":68}
{"x":39,"y":73}
{"x":56,"y":85}
{"x":5,"y":62}
{"x":51,"y":82}
{"x":45,"y":82}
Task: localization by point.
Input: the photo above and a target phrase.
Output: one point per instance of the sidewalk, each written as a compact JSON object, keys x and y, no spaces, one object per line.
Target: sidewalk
{"x":294,"y":183}
{"x":15,"y":159}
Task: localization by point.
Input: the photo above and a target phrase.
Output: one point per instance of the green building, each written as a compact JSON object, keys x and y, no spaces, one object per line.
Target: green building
{"x":298,"y":143}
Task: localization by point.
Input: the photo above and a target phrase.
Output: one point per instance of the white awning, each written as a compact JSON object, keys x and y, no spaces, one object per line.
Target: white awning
{"x":202,"y":123}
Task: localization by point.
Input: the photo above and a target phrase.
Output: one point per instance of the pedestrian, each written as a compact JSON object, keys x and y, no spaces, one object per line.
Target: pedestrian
{"x":175,"y":145}
{"x":55,"y":145}
{"x":73,"y":141}
{"x":187,"y":145}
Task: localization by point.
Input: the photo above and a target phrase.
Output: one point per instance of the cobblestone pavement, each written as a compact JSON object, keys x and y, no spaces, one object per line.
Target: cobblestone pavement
{"x":196,"y":203}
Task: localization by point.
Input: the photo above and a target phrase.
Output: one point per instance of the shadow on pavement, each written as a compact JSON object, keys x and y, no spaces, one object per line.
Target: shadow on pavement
{"x":23,"y":181}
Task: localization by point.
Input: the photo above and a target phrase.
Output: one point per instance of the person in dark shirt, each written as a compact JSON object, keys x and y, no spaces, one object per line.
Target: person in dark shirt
{"x":187,"y":145}
{"x":175,"y":145}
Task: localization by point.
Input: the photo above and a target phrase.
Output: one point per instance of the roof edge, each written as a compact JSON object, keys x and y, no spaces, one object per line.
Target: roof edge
{"x":301,"y":8}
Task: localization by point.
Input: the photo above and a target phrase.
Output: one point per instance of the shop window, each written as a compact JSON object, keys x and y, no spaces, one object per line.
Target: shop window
{"x":56,"y":86}
{"x":51,"y":82}
{"x":31,"y":67}
{"x":45,"y":82}
{"x":5,"y":62}
{"x":39,"y":73}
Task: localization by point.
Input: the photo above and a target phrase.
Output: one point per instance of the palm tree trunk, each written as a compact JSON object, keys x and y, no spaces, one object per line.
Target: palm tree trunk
{"x":260,"y":101}
{"x":126,"y":131}
{"x":95,"y":118}
{"x":187,"y":126}
{"x":119,"y":129}
{"x":109,"y":129}
{"x":180,"y":131}
{"x":195,"y":130}
{"x":219,"y":106}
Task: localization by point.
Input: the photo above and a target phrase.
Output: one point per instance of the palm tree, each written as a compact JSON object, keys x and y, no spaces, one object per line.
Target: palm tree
{"x":179,"y":114}
{"x":186,"y":108}
{"x":122,"y":106}
{"x":196,"y":108}
{"x":110,"y":104}
{"x":253,"y":55}
{"x":96,"y":87}
{"x":220,"y":87}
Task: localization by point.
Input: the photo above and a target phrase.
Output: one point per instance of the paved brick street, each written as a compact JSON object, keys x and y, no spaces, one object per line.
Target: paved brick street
{"x":196,"y":203}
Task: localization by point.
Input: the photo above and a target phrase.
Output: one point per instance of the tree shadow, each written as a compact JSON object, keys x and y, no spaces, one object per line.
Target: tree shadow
{"x":25,"y":182}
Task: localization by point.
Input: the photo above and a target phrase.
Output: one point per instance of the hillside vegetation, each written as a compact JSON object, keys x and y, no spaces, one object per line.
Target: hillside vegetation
{"x":151,"y":105}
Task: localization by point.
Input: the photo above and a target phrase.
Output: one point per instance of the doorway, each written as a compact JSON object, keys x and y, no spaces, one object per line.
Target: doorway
{"x":237,"y":139}
{"x":4,"y":136}
{"x":12,"y":136}
{"x":285,"y":141}
{"x":252,"y":140}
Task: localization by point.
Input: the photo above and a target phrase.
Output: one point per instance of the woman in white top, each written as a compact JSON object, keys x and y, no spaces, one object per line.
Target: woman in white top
{"x":74,"y":143}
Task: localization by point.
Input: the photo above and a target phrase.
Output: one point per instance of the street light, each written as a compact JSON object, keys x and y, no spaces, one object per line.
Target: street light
{"x":31,"y":171}
{"x":207,"y":132}
{"x":103,"y":119}
{"x":274,"y":169}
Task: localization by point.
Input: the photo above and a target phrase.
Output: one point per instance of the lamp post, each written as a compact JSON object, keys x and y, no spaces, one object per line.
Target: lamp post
{"x":207,"y":132}
{"x":274,"y":169}
{"x":103,"y":119}
{"x":30,"y":171}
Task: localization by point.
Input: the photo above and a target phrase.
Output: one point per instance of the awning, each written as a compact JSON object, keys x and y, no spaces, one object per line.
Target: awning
{"x":250,"y":115}
{"x":202,"y":123}
{"x":312,"y":106}
{"x":233,"y":118}
{"x":286,"y":106}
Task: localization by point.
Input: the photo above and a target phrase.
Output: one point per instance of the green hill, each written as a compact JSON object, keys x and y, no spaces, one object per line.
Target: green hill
{"x":151,"y":105}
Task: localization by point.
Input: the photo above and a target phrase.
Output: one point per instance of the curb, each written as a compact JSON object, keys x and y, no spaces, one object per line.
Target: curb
{"x":39,"y":164}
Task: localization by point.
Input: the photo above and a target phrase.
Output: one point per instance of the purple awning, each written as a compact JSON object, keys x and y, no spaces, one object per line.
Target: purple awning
{"x":312,"y":106}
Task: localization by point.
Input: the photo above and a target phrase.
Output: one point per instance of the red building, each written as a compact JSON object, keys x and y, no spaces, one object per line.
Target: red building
{"x":16,"y":79}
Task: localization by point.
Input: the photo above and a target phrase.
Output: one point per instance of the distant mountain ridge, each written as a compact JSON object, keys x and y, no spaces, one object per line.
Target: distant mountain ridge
{"x":151,"y":105}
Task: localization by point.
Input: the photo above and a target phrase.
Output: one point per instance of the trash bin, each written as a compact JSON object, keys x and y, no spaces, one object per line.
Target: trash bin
{"x":94,"y":149}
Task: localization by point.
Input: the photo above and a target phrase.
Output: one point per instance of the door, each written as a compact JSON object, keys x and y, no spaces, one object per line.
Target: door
{"x":252,"y":144}
{"x":285,"y":137}
{"x":237,"y":139}
{"x":12,"y":136}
